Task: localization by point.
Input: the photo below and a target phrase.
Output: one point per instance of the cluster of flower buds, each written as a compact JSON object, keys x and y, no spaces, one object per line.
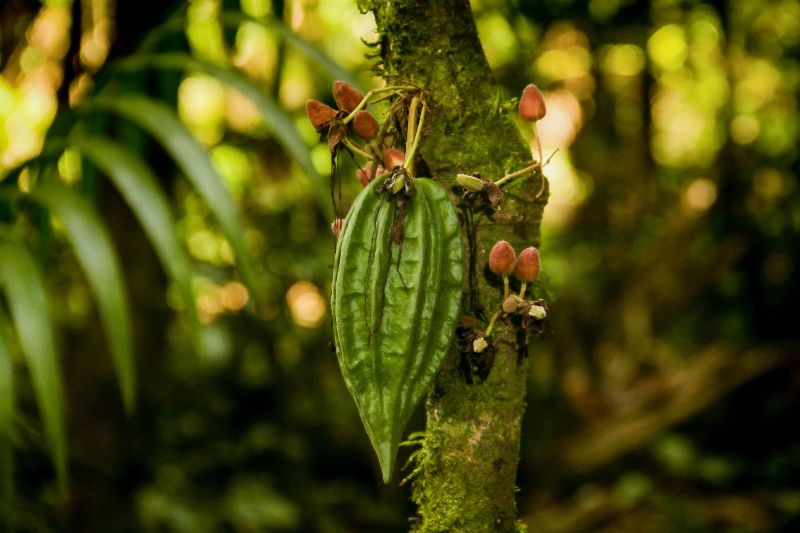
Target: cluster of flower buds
{"x":504,"y":262}
{"x":327,"y":120}
{"x":351,"y":117}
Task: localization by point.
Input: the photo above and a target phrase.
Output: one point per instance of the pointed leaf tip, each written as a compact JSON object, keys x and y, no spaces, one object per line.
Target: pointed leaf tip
{"x":387,"y":454}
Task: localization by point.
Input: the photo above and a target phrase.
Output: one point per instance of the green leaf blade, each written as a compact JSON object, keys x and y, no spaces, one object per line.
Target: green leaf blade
{"x":92,"y":244}
{"x":276,"y":118}
{"x":394,"y":315}
{"x":27,"y":300}
{"x":313,"y":53}
{"x":140,"y":189}
{"x":7,"y":411}
{"x":158,"y":120}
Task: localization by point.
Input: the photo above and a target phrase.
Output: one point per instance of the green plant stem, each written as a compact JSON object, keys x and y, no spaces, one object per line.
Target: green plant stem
{"x":352,"y":146}
{"x":538,"y":142}
{"x":491,"y":323}
{"x":411,"y":129}
{"x":364,"y":101}
{"x":502,"y":181}
{"x":522,"y":290}
{"x":411,"y":154}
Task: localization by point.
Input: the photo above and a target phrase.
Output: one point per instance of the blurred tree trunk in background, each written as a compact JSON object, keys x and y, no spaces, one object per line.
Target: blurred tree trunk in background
{"x":468,"y":464}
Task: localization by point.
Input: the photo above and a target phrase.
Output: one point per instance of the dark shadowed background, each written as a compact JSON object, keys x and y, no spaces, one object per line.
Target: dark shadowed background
{"x":666,"y":396}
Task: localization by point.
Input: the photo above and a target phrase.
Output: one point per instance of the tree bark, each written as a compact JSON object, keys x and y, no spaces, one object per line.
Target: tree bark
{"x":466,"y":469}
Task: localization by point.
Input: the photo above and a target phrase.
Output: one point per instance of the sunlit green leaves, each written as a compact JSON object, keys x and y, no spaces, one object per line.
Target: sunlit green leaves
{"x":161,"y":122}
{"x":137,"y":184}
{"x":279,"y":121}
{"x":92,"y":244}
{"x":333,"y":69}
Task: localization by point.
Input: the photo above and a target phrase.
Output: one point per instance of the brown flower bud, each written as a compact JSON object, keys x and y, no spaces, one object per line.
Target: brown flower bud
{"x":347,"y":97}
{"x":336,"y":226}
{"x":502,"y":258}
{"x":365,"y":125}
{"x":531,"y":105}
{"x":318,"y":113}
{"x":393,"y":158}
{"x":510,"y":304}
{"x":528,"y":265}
{"x":363,"y":174}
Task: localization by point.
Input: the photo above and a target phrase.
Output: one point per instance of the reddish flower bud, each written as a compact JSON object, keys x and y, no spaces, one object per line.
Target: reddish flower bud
{"x":531,"y":105}
{"x":502,"y":258}
{"x":528,"y":265}
{"x":318,"y":113}
{"x":365,"y":125}
{"x":393,"y":158}
{"x":347,"y":97}
{"x":336,"y":226}
{"x":363,"y":174}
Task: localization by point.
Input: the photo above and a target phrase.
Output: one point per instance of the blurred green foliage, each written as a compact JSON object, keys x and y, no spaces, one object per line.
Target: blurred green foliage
{"x":666,"y":396}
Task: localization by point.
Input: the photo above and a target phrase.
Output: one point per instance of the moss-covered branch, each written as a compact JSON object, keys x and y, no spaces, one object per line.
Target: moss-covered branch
{"x":466,"y":478}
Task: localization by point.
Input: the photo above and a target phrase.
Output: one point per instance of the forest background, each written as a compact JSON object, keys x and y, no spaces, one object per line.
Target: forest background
{"x":665,"y":397}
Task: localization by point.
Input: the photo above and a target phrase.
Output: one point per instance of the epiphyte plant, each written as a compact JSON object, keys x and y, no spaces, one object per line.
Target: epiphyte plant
{"x":397,"y":273}
{"x":399,"y":261}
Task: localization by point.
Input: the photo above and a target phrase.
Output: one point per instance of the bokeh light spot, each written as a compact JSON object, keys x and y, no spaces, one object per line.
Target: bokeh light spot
{"x":700,"y":194}
{"x":667,"y":47}
{"x":306,"y":304}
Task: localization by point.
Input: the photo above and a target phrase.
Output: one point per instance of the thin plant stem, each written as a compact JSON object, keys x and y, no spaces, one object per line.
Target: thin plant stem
{"x":491,"y":323}
{"x":522,"y":290}
{"x":352,"y":146}
{"x":506,"y":289}
{"x":364,"y":101}
{"x":538,"y":143}
{"x":409,"y":163}
{"x":412,"y":123}
{"x":513,"y":175}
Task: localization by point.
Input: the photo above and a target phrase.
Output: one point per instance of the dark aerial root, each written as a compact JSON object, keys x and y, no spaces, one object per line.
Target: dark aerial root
{"x":475,"y":307}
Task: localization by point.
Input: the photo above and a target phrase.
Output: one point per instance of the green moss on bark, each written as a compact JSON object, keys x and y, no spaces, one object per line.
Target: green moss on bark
{"x":467,"y":467}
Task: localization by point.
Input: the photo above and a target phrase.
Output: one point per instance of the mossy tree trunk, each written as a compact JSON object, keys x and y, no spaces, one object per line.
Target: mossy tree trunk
{"x":466,"y":478}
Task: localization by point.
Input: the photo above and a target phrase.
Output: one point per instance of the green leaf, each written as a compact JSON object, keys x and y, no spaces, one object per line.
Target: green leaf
{"x":311,"y":52}
{"x":235,"y":18}
{"x":6,"y":423}
{"x":140,"y":188}
{"x":395,"y":305}
{"x":27,"y":301}
{"x":88,"y":236}
{"x":278,"y":120}
{"x":162,"y":123}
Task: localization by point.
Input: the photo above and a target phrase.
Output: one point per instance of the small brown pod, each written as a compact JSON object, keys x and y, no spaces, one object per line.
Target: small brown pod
{"x":318,"y":113}
{"x":393,"y":158}
{"x":347,"y":97}
{"x":365,"y":125}
{"x":363,"y":174}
